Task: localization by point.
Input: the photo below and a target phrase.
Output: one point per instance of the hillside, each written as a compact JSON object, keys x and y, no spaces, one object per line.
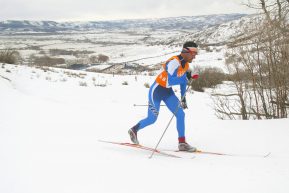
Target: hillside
{"x":140,"y":43}
{"x":51,"y":121}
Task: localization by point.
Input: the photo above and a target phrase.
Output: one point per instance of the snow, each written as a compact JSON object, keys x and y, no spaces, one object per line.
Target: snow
{"x":50,"y":127}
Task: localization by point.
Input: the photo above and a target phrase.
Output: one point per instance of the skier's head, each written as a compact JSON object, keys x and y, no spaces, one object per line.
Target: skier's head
{"x":189,"y":51}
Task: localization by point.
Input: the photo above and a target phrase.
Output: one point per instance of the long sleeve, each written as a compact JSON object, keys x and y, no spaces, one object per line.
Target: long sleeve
{"x":174,"y":80}
{"x":183,"y":89}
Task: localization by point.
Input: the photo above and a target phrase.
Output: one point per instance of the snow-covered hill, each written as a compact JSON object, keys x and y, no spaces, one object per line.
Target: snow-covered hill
{"x":146,"y":42}
{"x":51,"y":121}
{"x":172,"y":23}
{"x":220,"y":34}
{"x":206,"y":29}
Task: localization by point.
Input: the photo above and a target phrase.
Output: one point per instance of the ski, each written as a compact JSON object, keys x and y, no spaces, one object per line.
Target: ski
{"x":207,"y":152}
{"x":227,"y":154}
{"x":221,"y":154}
{"x":141,"y":147}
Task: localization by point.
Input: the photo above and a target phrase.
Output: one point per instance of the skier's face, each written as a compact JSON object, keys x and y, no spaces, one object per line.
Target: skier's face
{"x":192,"y":55}
{"x":189,"y":56}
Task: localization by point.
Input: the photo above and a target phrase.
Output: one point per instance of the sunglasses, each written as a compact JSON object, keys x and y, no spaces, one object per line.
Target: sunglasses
{"x":191,"y":50}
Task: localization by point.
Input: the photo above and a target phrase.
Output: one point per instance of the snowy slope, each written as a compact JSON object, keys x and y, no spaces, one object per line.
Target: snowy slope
{"x":50,"y":127}
{"x":223,"y":33}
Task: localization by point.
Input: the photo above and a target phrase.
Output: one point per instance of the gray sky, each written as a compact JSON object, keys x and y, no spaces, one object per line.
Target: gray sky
{"x":76,"y":10}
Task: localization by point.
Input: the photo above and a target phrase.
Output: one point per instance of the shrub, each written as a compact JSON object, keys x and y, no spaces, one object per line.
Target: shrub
{"x":82,"y":84}
{"x":46,"y":61}
{"x":42,"y":52}
{"x":102,"y":58}
{"x":125,"y":83}
{"x":63,"y":79}
{"x":101,"y":84}
{"x":48,"y":78}
{"x":9,"y":56}
{"x":208,"y":78}
{"x":76,"y":53}
{"x":147,"y":85}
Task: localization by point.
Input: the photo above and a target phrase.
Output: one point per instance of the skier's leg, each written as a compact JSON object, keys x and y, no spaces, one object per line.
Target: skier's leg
{"x":153,"y":107}
{"x":172,"y":102}
{"x":152,"y":115}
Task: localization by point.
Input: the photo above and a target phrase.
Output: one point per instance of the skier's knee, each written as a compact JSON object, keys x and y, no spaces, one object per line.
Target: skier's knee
{"x":181,"y":113}
{"x":153,"y":119}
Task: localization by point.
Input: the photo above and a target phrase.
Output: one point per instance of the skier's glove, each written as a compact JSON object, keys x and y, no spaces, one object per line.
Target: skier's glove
{"x":184,"y":103}
{"x":191,"y":76}
{"x":195,"y":76}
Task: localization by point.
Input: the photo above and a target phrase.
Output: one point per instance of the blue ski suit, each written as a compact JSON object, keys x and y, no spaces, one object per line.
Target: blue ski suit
{"x":174,"y":73}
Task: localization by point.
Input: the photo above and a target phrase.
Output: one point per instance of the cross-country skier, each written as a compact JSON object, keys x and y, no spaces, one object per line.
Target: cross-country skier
{"x":174,"y":72}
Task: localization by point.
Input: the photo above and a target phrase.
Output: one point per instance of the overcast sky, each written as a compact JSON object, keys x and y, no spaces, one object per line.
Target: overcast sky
{"x":83,"y":10}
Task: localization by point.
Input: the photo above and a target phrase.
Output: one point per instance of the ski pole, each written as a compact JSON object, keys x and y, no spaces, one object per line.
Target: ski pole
{"x":137,"y":105}
{"x":179,"y":105}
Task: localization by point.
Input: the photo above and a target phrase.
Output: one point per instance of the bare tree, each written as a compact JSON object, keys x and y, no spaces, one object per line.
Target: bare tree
{"x":259,"y":66}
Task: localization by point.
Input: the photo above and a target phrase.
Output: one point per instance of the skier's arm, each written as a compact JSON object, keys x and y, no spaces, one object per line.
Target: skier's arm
{"x":174,"y":80}
{"x":189,"y":76}
{"x":183,"y":89}
{"x":183,"y":97}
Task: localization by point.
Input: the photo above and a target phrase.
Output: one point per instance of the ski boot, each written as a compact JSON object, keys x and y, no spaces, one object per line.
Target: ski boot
{"x":133,"y":134}
{"x":186,"y":147}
